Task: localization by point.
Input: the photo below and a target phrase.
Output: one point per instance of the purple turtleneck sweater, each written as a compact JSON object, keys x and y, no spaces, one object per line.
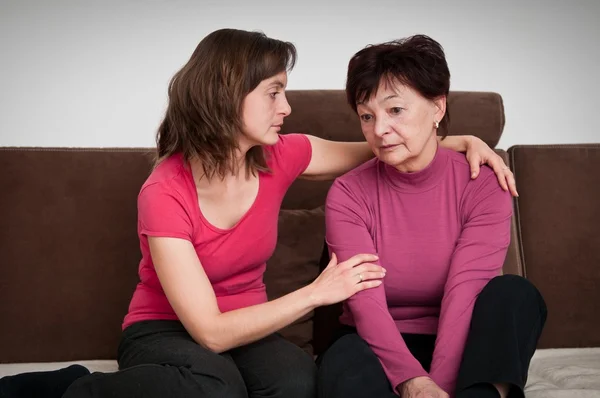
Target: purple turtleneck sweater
{"x":440,"y":235}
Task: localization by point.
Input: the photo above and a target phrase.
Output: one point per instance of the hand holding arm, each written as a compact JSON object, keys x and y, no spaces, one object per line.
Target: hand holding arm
{"x":347,"y":234}
{"x":192,"y":297}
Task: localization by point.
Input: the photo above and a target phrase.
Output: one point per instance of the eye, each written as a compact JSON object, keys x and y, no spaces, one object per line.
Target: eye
{"x":274,"y":94}
{"x":396,"y":110}
{"x":365,"y":117}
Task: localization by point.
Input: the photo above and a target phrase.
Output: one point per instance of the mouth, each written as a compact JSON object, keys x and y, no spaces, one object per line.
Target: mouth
{"x":277,"y":126}
{"x":388,"y":147}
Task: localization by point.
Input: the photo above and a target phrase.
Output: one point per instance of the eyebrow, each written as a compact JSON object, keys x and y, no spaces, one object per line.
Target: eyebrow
{"x":385,"y":99}
{"x":277,"y":83}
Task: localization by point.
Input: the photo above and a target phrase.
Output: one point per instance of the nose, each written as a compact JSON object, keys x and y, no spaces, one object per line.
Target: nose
{"x":284,"y":107}
{"x":382,"y":126}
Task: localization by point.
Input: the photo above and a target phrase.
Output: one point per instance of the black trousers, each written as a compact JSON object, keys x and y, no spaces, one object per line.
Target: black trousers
{"x":160,"y":359}
{"x":507,"y":321}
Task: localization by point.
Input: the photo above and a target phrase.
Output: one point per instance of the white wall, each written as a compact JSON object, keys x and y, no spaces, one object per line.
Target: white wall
{"x":94,"y":73}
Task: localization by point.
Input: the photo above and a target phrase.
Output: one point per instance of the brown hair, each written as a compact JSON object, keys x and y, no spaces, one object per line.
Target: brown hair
{"x":204,"y":114}
{"x":416,"y":61}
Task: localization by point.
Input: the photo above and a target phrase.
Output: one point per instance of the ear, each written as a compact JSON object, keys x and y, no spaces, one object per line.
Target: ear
{"x":440,"y":107}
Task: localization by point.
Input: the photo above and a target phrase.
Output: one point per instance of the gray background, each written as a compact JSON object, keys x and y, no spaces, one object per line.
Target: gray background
{"x":95,"y":73}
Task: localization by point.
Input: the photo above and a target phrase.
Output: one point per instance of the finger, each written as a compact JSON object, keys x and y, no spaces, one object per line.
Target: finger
{"x":359,"y":259}
{"x":366,"y":268}
{"x":333,"y":261}
{"x":475,"y":163}
{"x":512,"y":184}
{"x":367,"y":285}
{"x":367,"y":276}
{"x":501,"y":174}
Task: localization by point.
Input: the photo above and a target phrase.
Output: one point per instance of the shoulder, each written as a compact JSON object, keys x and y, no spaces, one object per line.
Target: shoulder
{"x":484,"y":195}
{"x":167,"y":179}
{"x":293,"y":144}
{"x":362,"y":174}
{"x":462,"y":171}
{"x":357,"y":182}
{"x":291,"y":155}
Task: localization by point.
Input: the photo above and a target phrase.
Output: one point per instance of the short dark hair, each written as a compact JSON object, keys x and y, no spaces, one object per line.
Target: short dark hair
{"x":204,"y":112}
{"x":416,"y":61}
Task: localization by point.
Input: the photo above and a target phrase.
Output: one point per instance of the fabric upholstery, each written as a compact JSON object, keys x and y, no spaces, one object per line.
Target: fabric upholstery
{"x":69,"y":250}
{"x":558,"y":215}
{"x":513,"y":263}
{"x":295,"y":264}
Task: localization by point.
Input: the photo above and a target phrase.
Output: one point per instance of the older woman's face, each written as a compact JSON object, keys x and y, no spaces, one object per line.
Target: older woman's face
{"x":399,"y":124}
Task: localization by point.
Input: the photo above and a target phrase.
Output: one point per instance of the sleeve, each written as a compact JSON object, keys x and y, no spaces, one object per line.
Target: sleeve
{"x":292,"y":154}
{"x":347,"y":234}
{"x":162,"y":212}
{"x":478,"y":257}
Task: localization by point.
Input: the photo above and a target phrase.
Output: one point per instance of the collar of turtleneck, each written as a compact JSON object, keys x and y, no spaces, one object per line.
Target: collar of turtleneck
{"x":421,"y":180}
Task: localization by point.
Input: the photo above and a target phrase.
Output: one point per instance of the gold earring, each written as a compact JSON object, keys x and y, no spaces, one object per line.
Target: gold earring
{"x":437,"y":124}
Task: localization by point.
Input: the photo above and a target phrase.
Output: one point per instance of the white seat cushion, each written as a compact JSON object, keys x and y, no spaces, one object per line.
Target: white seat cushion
{"x":8,"y":369}
{"x":564,"y":373}
{"x":554,"y":373}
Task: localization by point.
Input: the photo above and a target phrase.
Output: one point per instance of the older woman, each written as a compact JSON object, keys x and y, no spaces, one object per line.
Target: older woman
{"x":443,"y":323}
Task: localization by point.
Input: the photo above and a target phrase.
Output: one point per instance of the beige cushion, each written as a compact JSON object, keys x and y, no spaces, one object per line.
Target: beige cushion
{"x":564,"y":373}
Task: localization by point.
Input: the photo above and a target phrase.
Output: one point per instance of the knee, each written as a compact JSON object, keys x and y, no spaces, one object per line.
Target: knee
{"x":343,"y":356}
{"x":298,"y":379}
{"x":512,"y":292}
{"x":224,"y":377}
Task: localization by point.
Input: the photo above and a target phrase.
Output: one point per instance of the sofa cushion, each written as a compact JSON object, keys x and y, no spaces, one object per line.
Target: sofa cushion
{"x":564,"y":373}
{"x":558,"y":215}
{"x":295,"y":264}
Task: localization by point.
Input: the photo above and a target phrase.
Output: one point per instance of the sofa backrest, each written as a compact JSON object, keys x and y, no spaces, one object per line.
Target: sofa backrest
{"x":326,"y":114}
{"x":68,"y":232}
{"x":558,"y":220}
{"x":69,"y":250}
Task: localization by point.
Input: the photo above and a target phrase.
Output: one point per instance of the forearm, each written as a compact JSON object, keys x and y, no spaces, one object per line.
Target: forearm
{"x":245,"y":325}
{"x":458,"y":143}
{"x":331,"y":159}
{"x":450,"y":343}
{"x":361,"y":152}
{"x":376,"y":326}
{"x":350,"y":156}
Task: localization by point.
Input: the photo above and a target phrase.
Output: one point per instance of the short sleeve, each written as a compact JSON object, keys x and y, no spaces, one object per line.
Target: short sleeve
{"x":291,"y":154}
{"x":162,"y":213}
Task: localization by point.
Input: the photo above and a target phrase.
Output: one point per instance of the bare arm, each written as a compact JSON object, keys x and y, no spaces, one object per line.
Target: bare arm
{"x":192,"y":297}
{"x":331,"y":159}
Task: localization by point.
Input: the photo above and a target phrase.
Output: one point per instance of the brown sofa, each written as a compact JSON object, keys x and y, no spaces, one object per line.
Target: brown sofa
{"x":70,"y":251}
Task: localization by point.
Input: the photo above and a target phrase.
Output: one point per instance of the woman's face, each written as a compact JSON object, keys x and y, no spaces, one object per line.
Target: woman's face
{"x":399,"y":125}
{"x":263,"y":111}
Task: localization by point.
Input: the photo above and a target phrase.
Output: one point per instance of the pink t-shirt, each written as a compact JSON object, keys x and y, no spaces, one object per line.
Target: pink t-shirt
{"x":234,"y":259}
{"x":441,"y":237}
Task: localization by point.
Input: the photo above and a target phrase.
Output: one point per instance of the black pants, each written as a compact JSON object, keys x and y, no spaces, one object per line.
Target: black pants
{"x":507,"y":320}
{"x":160,"y":359}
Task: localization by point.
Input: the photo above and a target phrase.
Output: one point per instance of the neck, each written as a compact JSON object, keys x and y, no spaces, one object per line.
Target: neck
{"x":422,"y":160}
{"x":201,"y":179}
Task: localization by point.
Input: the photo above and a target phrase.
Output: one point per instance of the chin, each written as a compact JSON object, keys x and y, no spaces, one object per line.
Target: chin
{"x":270,"y":138}
{"x":393,"y":159}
